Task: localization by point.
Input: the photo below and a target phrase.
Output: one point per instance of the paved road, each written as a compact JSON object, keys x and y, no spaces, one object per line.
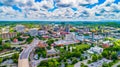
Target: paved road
{"x":10,"y":54}
{"x":24,"y":56}
{"x":79,"y":63}
{"x":116,"y":64}
{"x":26,"y":52}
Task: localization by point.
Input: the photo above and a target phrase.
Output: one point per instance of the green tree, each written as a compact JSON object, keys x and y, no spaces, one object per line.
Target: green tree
{"x":100,"y":57}
{"x":89,"y":61}
{"x":20,"y":39}
{"x":51,"y":64}
{"x":1,"y":47}
{"x":1,"y":59}
{"x":15,"y":57}
{"x":29,"y":40}
{"x":114,"y":55}
{"x":105,"y":54}
{"x":0,"y":41}
{"x":66,"y":64}
{"x":74,"y":61}
{"x":83,"y":65}
{"x":94,"y":58}
{"x":7,"y":45}
{"x":81,"y":58}
{"x":43,"y":63}
{"x":105,"y":65}
{"x":50,"y":41}
{"x":118,"y":66}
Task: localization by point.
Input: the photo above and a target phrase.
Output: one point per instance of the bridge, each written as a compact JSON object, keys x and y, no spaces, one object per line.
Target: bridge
{"x":23,"y":60}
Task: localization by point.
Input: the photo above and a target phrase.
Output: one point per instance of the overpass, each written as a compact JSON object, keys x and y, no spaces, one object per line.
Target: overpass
{"x":23,"y":60}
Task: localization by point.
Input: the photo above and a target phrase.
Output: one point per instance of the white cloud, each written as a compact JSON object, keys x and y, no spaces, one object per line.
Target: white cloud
{"x":39,"y":10}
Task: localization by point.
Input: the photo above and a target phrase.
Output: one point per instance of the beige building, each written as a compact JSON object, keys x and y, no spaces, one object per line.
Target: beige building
{"x":8,"y":35}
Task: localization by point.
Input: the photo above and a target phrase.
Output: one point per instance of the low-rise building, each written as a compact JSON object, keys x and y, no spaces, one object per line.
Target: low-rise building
{"x":42,"y":44}
{"x":33,"y":32}
{"x":52,"y":52}
{"x":5,"y":30}
{"x":69,"y":39}
{"x":8,"y":35}
{"x":20,"y":28}
{"x":95,"y":49}
{"x":106,"y":44}
{"x":42,"y":32}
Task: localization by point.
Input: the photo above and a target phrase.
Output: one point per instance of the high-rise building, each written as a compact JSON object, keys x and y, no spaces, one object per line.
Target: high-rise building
{"x":56,"y":28}
{"x":67,"y":28}
{"x":92,"y":36}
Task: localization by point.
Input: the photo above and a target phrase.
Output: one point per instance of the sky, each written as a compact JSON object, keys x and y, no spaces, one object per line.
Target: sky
{"x":59,"y":10}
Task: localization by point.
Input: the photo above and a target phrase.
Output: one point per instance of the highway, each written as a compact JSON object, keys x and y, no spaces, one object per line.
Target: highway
{"x":24,"y":56}
{"x":26,"y":52}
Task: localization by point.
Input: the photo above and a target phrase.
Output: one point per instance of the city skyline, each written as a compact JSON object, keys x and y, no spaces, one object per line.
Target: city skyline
{"x":66,"y":10}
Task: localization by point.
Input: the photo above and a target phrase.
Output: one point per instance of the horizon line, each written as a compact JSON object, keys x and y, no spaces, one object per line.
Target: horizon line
{"x":66,"y":20}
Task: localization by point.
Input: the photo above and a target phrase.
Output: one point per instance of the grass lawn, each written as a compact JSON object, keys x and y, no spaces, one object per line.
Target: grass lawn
{"x":70,"y":65}
{"x":82,"y":46}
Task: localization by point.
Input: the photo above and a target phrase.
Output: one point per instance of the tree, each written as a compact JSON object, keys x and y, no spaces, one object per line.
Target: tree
{"x":1,"y":47}
{"x":7,"y":45}
{"x":94,"y":58}
{"x":66,"y":64}
{"x":0,"y":41}
{"x":117,"y":43}
{"x":105,"y":54}
{"x":20,"y":39}
{"x":44,"y":63}
{"x":105,"y":65}
{"x":29,"y":40}
{"x":50,"y":41}
{"x":83,"y":65}
{"x":114,"y":55}
{"x":100,"y":57}
{"x":118,"y":66}
{"x":51,"y":64}
{"x":74,"y":61}
{"x":15,"y":57}
{"x":81,"y":58}
{"x":76,"y":54}
{"x":89,"y":61}
{"x":1,"y":59}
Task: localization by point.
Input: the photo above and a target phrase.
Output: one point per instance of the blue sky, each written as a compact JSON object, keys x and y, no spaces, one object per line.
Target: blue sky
{"x":59,"y":9}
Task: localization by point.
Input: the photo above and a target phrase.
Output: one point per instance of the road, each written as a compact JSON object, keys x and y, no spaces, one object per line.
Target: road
{"x":24,"y":56}
{"x":9,"y":54}
{"x":115,"y":65}
{"x":26,"y":52}
{"x":79,"y":63}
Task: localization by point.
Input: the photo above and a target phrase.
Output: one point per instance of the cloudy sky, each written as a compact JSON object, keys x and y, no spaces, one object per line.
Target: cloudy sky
{"x":59,"y":9}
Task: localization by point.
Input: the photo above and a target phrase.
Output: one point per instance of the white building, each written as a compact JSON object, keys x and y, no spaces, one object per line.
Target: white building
{"x":69,"y":39}
{"x":6,"y":29}
{"x":20,"y":28}
{"x":70,"y":36}
{"x":95,"y":49}
{"x":42,"y":32}
{"x":52,"y":52}
{"x":33,"y":32}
